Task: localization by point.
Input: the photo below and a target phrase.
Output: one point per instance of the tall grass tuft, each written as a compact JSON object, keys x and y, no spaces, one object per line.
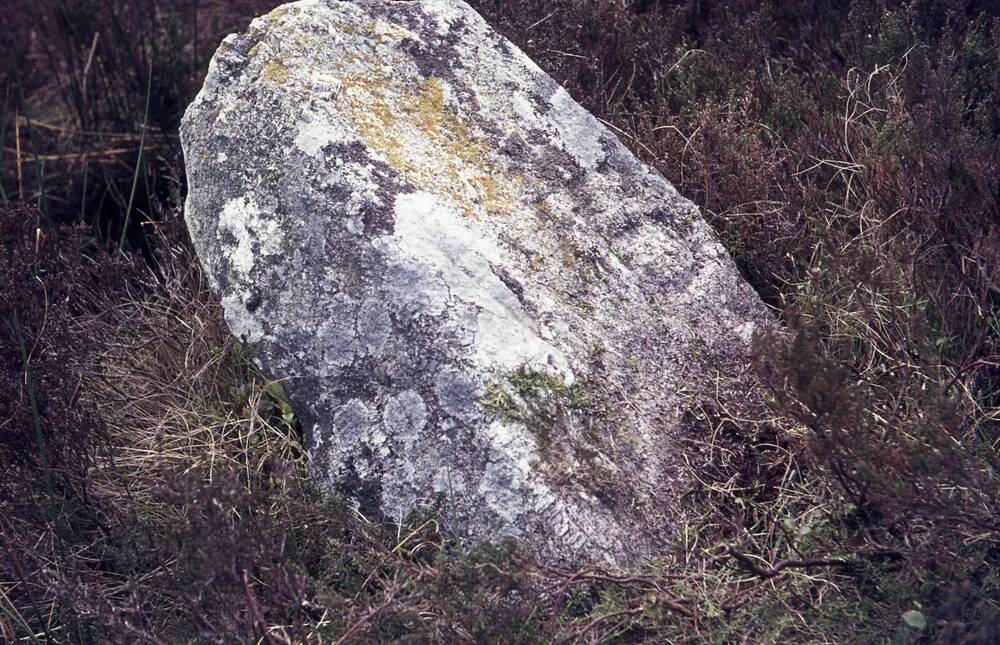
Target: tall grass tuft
{"x":84,"y":69}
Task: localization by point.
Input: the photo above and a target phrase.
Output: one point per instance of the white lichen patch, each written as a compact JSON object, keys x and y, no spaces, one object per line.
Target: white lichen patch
{"x":558,"y":205}
{"x":387,"y":32}
{"x":353,"y":421}
{"x":404,"y":417}
{"x":257,"y":234}
{"x":579,"y":131}
{"x":445,"y":13}
{"x":314,"y":134}
{"x":432,"y":234}
{"x":364,"y":189}
{"x":524,"y":109}
{"x":244,"y":326}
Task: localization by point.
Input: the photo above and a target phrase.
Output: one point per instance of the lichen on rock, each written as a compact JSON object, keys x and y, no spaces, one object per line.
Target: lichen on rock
{"x":476,"y":297}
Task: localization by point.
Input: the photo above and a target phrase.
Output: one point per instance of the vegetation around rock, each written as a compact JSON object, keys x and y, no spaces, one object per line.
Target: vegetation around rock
{"x":153,"y":487}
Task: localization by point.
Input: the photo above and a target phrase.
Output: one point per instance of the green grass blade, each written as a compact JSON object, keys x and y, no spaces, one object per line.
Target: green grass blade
{"x":83,"y":196}
{"x":34,"y":149}
{"x":138,"y":161}
{"x":3,"y":137}
{"x":194,"y":35}
{"x":16,"y":617}
{"x":36,"y":417}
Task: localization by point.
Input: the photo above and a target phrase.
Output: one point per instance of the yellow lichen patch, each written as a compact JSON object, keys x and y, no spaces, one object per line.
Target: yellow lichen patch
{"x":422,"y":138}
{"x":430,"y":106}
{"x":278,"y":13}
{"x":345,"y":28}
{"x":276,"y":72}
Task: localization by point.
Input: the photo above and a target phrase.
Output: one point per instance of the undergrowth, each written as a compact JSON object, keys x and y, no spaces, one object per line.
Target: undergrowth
{"x":154,"y":489}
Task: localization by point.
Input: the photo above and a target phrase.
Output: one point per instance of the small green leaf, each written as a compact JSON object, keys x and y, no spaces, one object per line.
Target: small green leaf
{"x":914,"y":619}
{"x":275,"y":390}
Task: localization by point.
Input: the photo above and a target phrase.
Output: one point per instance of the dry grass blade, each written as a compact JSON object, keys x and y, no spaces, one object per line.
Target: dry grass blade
{"x":177,"y":391}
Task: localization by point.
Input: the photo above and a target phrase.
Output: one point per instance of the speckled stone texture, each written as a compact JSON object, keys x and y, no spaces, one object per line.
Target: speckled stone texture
{"x":476,"y":297}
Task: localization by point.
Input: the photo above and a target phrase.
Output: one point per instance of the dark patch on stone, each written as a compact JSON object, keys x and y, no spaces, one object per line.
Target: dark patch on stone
{"x":512,"y":284}
{"x":377,"y":220}
{"x":367,"y":492}
{"x":661,"y":216}
{"x":253,"y":302}
{"x":515,"y":148}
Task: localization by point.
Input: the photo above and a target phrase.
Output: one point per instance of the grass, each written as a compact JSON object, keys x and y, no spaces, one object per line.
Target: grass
{"x":138,"y":161}
{"x":847,"y":154}
{"x":36,"y":419}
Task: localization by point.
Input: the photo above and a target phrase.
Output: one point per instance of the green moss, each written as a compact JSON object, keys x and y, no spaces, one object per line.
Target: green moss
{"x":535,"y":383}
{"x":544,"y":403}
{"x":497,"y":400}
{"x":569,"y":424}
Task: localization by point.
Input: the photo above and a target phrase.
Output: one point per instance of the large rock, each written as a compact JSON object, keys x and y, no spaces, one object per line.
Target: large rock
{"x":475,"y":296}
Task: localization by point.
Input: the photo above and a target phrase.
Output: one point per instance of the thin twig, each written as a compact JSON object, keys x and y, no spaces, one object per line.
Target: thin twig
{"x":772,"y":571}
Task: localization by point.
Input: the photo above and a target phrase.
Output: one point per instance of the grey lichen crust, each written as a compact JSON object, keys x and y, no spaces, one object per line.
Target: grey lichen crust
{"x":474,"y":295}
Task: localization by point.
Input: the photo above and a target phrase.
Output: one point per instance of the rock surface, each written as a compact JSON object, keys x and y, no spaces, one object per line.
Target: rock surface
{"x":474,"y":294}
